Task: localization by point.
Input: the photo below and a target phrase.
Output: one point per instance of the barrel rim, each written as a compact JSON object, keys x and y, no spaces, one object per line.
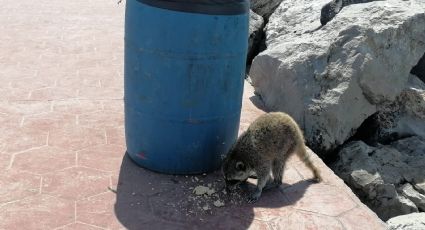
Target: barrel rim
{"x":212,"y":7}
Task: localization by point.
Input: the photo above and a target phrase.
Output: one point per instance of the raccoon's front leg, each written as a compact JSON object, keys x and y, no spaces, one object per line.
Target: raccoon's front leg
{"x":263,"y":175}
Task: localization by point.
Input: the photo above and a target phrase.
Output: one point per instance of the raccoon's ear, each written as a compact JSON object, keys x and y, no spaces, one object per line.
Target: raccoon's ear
{"x":240,"y":166}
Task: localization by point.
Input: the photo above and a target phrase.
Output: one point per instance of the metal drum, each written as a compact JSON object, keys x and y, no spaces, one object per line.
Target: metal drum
{"x":184,"y":75}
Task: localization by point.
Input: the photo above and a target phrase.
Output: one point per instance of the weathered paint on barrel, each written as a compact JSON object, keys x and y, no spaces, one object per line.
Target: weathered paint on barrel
{"x":184,"y":74}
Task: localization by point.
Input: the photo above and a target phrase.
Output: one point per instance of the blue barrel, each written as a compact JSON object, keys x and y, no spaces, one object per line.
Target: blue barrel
{"x":183,"y":77}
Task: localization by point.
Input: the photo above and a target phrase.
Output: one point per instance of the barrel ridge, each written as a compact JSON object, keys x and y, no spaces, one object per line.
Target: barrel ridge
{"x":214,"y":7}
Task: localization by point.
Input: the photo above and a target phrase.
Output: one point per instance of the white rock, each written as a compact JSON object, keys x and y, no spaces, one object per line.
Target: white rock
{"x":411,"y":113}
{"x":414,"y":221}
{"x":218,"y":203}
{"x":331,"y":79}
{"x":409,"y":192}
{"x":402,"y":118}
{"x":420,"y":186}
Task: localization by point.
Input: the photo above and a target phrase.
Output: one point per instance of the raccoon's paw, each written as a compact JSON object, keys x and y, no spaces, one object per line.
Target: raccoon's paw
{"x":231,"y":185}
{"x":254,"y":196}
{"x":252,"y":199}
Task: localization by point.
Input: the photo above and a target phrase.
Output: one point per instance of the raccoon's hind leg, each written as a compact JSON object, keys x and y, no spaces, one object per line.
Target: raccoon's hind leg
{"x":277,"y":169}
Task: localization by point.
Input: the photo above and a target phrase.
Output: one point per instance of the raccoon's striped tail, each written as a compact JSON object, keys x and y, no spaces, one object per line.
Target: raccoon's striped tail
{"x":305,"y":157}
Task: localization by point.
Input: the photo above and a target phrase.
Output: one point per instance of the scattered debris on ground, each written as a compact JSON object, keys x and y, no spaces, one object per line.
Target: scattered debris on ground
{"x":201,"y":190}
{"x":202,"y":195}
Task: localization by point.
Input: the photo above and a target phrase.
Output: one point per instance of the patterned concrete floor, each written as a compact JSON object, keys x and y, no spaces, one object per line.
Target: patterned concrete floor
{"x":62,"y":161}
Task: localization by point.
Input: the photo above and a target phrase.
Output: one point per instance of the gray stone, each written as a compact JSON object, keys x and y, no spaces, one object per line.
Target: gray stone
{"x":392,"y":166}
{"x":410,"y":193}
{"x":331,"y":9}
{"x":256,"y":25}
{"x":357,"y":154}
{"x":387,"y":208}
{"x":411,"y":113}
{"x":414,"y":148}
{"x":403,"y":117}
{"x":420,"y":185}
{"x":414,"y":221}
{"x":264,"y":7}
{"x":377,"y":175}
{"x":330,"y":79}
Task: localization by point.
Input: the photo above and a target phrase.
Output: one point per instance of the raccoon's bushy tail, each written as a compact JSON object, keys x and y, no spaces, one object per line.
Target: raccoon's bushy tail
{"x":305,"y":157}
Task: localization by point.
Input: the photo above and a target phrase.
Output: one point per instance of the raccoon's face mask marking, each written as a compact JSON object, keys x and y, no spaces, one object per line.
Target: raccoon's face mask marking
{"x":242,"y":173}
{"x":235,"y":170}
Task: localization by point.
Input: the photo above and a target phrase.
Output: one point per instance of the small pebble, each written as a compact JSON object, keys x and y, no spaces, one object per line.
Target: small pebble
{"x":201,"y":190}
{"x":218,"y":203}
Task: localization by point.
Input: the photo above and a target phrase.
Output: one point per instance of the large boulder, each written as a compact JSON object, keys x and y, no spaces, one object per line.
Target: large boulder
{"x":331,"y":78}
{"x":385,"y":177}
{"x":414,"y":221}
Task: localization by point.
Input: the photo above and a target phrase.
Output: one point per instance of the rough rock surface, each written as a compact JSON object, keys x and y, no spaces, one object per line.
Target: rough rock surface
{"x":331,"y":9}
{"x":383,"y":176}
{"x":331,"y":78}
{"x":256,"y":25}
{"x":409,"y":192}
{"x":264,"y":7}
{"x":408,"y":111}
{"x":403,"y":117}
{"x":414,"y":221}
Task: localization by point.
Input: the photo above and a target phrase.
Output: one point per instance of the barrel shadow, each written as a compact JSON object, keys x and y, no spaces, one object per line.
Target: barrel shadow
{"x":149,"y":200}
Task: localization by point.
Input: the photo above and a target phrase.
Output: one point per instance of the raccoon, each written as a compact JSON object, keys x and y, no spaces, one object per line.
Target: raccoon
{"x":264,"y":148}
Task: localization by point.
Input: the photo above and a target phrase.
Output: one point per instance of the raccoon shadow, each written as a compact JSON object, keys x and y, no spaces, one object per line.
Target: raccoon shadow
{"x":278,"y":197}
{"x":150,"y":200}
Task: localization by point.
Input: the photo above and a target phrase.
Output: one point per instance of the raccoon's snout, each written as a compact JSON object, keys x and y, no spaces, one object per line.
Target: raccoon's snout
{"x":230,"y":185}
